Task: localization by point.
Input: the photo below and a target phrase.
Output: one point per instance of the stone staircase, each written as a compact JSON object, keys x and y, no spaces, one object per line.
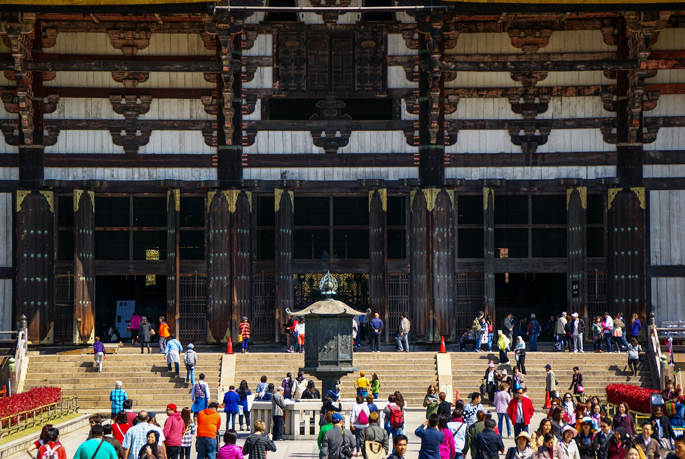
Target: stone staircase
{"x":598,"y":370}
{"x":410,"y":373}
{"x":144,"y":377}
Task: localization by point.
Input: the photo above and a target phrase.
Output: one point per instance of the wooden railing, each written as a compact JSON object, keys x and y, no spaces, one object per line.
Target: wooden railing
{"x":37,"y":416}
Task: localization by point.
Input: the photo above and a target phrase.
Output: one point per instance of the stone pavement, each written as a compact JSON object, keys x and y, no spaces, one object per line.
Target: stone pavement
{"x":291,"y":449}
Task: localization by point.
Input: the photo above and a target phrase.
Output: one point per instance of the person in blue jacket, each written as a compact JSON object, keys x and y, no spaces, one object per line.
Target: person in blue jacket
{"x":231,"y":400}
{"x":431,"y":438}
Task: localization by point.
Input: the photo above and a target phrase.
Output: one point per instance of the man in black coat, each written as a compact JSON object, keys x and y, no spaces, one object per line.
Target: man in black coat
{"x":663,"y":432}
{"x":487,"y":444}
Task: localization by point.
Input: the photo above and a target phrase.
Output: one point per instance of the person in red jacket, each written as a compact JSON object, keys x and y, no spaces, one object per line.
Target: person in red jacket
{"x":521,"y":411}
{"x":174,"y":428}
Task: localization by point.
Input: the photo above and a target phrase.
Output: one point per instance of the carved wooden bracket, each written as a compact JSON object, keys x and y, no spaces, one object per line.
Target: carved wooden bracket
{"x":11,"y":103}
{"x":130,"y":106}
{"x":411,"y":101}
{"x":12,"y":139}
{"x":411,"y":38}
{"x":46,"y":76}
{"x":130,"y":79}
{"x":129,"y":41}
{"x":529,"y":38}
{"x":531,"y":138}
{"x":608,"y":130}
{"x":131,"y":139}
{"x":451,"y":101}
{"x":609,"y":32}
{"x":451,"y":133}
{"x":51,"y":138}
{"x":411,"y":71}
{"x":649,"y":100}
{"x":249,"y":67}
{"x":329,"y":17}
{"x":650,"y":132}
{"x":20,"y":29}
{"x":528,"y":79}
{"x":608,"y":101}
{"x":412,"y":135}
{"x":49,"y":38}
{"x":334,"y":137}
{"x":526,"y":105}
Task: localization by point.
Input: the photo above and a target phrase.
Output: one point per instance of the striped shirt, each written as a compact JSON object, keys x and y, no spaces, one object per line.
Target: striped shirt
{"x":187,"y":440}
{"x":256,"y":446}
{"x":244,"y":329}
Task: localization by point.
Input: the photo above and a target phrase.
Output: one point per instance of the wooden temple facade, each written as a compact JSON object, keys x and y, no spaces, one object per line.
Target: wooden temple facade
{"x":428,"y":154}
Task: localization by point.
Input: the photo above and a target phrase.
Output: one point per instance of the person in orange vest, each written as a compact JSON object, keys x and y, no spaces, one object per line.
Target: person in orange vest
{"x":163,"y":334}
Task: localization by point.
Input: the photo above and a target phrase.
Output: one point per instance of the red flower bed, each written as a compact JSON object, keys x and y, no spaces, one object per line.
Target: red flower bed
{"x":27,"y":401}
{"x":636,"y":397}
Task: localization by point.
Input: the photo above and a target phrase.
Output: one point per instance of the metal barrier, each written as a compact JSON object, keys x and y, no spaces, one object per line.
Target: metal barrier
{"x":36,"y":416}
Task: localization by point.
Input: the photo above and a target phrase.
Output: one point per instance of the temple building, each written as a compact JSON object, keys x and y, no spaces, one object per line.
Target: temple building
{"x":206,"y":161}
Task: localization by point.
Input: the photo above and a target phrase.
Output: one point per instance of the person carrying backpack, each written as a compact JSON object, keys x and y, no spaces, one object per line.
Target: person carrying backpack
{"x":287,"y":385}
{"x":200,"y":395}
{"x":533,"y":332}
{"x":359,"y":418}
{"x":52,"y":448}
{"x":374,"y":439}
{"x":190,"y":360}
{"x":394,"y":416}
{"x":338,"y":443}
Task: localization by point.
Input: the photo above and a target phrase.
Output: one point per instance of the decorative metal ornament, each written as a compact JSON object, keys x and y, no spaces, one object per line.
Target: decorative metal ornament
{"x":328,"y":285}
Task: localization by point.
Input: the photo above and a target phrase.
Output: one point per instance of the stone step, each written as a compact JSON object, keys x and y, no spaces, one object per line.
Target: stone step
{"x":117,"y":357}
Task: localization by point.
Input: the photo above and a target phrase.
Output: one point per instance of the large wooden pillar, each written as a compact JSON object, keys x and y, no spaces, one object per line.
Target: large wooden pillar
{"x":442,"y":263}
{"x":489,"y":249}
{"x":173,"y":202}
{"x":576,"y":257}
{"x":34,"y":215}
{"x":219,"y":273}
{"x":34,"y":208}
{"x":419,"y":265}
{"x":626,"y":204}
{"x":284,"y":206}
{"x":378,"y":255}
{"x":84,"y":266}
{"x":241,"y":255}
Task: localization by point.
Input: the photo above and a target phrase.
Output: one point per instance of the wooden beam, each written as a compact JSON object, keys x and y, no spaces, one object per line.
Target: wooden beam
{"x":120,"y":160}
{"x":155,"y":93}
{"x":666,"y":271}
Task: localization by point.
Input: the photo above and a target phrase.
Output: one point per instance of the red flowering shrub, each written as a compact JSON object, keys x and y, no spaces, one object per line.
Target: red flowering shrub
{"x":636,"y":397}
{"x":27,"y":401}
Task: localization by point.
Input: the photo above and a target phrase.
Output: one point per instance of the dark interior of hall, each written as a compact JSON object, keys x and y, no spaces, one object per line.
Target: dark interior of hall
{"x":543,"y":294}
{"x":148,"y":291}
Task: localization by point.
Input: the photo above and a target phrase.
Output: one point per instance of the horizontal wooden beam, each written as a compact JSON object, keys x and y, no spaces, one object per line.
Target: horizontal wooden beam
{"x":114,"y":66}
{"x":514,"y":265}
{"x":665,"y":183}
{"x":105,"y":93}
{"x":8,"y":273}
{"x":125,"y":161}
{"x":666,"y":271}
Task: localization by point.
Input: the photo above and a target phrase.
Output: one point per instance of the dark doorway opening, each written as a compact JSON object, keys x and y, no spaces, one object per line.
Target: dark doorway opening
{"x":148,"y":293}
{"x":523,"y":294}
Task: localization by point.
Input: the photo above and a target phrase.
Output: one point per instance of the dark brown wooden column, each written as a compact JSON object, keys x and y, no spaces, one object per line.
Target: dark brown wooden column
{"x":489,"y":249}
{"x":173,"y":198}
{"x":576,"y":276}
{"x":284,"y":206}
{"x":378,"y":255}
{"x":419,"y":265}
{"x":442,"y":262}
{"x":241,"y":255}
{"x":219,"y":267}
{"x":626,"y":204}
{"x":34,"y":221}
{"x":84,"y":266}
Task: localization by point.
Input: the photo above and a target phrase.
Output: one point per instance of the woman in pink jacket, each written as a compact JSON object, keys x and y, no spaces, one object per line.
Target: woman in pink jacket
{"x":447,"y":449}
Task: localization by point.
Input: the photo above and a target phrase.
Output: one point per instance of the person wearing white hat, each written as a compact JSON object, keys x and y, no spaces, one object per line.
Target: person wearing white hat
{"x":522,"y":450}
{"x":578,"y":329}
{"x":190,"y":360}
{"x":568,"y":448}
